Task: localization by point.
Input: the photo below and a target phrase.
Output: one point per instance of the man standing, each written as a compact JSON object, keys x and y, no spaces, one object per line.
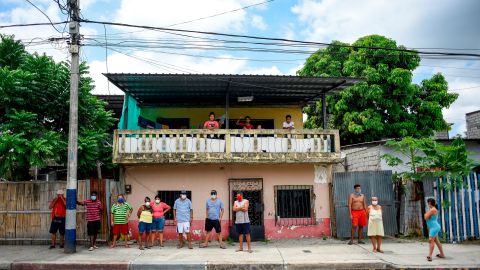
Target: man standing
{"x":183,"y":215}
{"x":288,"y":124}
{"x":242,"y":221}
{"x":93,"y":217}
{"x":59,"y":211}
{"x":214,"y":212}
{"x":119,"y":216}
{"x":358,"y":214}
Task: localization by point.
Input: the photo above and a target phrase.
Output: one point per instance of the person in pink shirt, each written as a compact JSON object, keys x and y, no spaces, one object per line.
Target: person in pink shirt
{"x":211,"y":123}
{"x":159,"y":209}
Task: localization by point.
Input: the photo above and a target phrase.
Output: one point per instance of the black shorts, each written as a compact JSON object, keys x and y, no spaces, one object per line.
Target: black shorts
{"x":242,"y":228}
{"x":212,"y":224}
{"x":93,"y":227}
{"x":57,"y":225}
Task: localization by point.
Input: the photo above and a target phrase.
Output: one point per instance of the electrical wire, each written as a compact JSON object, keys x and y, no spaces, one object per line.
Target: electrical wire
{"x":41,"y":11}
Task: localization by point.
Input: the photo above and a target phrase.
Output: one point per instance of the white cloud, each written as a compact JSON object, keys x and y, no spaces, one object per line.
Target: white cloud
{"x":415,"y":24}
{"x":258,"y":22}
{"x":263,"y":71}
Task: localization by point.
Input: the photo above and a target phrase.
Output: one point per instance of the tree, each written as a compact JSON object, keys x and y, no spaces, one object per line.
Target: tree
{"x":34,"y":108}
{"x":386,"y":104}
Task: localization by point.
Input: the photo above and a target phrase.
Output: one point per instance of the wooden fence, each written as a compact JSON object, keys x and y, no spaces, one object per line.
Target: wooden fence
{"x":25,"y":217}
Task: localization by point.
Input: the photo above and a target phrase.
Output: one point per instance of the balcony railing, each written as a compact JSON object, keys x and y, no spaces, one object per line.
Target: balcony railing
{"x":226,"y":146}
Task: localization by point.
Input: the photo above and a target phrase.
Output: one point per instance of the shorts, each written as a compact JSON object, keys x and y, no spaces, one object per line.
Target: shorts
{"x":212,"y":224}
{"x":242,"y":228}
{"x":57,"y":225}
{"x":144,"y":227}
{"x":93,"y":227}
{"x":183,"y":227}
{"x":120,"y":228}
{"x":359,"y":218}
{"x":158,"y":224}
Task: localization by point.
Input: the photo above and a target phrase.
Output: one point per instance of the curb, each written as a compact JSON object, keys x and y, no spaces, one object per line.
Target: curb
{"x":73,"y":265}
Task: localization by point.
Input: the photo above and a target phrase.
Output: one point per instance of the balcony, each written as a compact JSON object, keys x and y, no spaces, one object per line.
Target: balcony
{"x":200,"y":146}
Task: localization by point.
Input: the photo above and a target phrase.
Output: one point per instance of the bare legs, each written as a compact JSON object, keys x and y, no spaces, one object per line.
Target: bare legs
{"x":432,"y":241}
{"x":54,"y":240}
{"x":374,"y":243}
{"x":240,"y":240}
{"x":360,"y":234}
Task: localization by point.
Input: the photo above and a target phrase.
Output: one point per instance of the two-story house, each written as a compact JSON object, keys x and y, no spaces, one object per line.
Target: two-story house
{"x":162,"y":148}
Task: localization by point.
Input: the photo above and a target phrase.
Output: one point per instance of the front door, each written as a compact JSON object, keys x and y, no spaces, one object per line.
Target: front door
{"x":252,"y":190}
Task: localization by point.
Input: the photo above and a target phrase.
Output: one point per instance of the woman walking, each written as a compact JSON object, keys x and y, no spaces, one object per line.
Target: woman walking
{"x":375,"y":225}
{"x":433,"y":230}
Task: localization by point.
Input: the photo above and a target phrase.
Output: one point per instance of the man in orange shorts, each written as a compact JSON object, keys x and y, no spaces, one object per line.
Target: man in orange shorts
{"x":358,"y":213}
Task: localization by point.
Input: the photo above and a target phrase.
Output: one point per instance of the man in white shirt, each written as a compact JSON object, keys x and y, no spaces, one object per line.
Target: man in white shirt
{"x":288,"y":124}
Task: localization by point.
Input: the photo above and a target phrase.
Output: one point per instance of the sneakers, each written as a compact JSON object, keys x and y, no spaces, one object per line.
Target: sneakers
{"x":90,"y":249}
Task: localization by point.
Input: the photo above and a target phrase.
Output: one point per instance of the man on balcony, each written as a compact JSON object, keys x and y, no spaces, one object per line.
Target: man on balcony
{"x":288,"y":124}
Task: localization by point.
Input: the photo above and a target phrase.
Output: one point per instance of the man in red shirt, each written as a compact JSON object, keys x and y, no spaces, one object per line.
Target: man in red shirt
{"x":59,"y":211}
{"x":246,"y":124}
{"x":211,"y":123}
{"x":93,"y":217}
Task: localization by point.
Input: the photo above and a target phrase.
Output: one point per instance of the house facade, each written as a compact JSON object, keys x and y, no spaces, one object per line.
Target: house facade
{"x":162,"y":148}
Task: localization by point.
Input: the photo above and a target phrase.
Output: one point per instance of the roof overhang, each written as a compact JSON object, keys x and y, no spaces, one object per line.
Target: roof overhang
{"x":213,"y":90}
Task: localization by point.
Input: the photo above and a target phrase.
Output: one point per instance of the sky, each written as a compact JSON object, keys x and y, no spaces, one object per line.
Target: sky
{"x":417,"y":24}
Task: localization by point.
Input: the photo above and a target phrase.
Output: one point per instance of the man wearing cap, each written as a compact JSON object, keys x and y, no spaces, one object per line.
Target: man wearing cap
{"x":59,"y":211}
{"x":183,"y":215}
{"x":214,"y":212}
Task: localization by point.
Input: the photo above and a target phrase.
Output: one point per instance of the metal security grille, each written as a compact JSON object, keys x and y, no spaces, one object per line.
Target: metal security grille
{"x":294,"y":205}
{"x":169,"y":197}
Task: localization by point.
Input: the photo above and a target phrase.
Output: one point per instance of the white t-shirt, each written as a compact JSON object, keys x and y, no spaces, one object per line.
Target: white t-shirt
{"x":288,"y":125}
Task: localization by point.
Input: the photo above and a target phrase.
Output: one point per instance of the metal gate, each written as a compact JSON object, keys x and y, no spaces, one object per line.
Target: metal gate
{"x":374,"y":183}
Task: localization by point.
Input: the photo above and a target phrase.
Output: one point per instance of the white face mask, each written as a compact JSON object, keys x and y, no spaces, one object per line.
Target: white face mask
{"x":147,"y":204}
{"x":213,"y":197}
{"x":183,"y":196}
{"x":157,"y":201}
{"x":374,"y":202}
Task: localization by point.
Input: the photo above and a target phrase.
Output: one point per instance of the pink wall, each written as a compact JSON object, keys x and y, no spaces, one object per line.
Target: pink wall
{"x":200,"y":179}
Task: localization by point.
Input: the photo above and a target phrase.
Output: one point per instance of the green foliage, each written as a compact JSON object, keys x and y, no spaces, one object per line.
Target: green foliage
{"x":387,"y":104}
{"x":34,"y":109}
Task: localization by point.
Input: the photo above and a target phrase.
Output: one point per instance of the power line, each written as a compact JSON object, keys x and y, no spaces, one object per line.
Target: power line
{"x":44,"y":15}
{"x":284,"y":40}
{"x":106,"y":56}
{"x":219,"y":14}
{"x":31,"y":24}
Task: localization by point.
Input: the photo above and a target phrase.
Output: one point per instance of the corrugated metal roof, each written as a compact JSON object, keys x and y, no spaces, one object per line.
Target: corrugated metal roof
{"x":212,"y":89}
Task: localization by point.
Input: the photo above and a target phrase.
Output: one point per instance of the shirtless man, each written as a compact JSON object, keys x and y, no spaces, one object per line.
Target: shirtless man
{"x":358,"y":213}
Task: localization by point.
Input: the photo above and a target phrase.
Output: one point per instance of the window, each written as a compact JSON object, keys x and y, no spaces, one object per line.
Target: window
{"x":294,"y":205}
{"x":169,"y":197}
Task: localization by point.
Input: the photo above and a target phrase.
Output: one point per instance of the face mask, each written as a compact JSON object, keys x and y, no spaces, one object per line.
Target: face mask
{"x":213,"y":196}
{"x":358,"y":191}
{"x":239,"y":198}
{"x":147,"y":204}
{"x":374,"y":202}
{"x":93,"y":197}
{"x":183,"y":196}
{"x":157,"y":201}
{"x":120,"y":200}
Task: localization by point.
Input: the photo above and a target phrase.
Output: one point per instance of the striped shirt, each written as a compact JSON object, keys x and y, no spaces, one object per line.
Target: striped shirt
{"x":94,"y":209}
{"x":120,"y":212}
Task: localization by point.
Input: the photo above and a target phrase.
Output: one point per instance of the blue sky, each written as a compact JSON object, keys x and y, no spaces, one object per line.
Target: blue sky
{"x":415,"y":24}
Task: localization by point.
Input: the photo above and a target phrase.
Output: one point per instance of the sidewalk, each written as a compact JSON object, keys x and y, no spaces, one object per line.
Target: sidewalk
{"x":284,"y":254}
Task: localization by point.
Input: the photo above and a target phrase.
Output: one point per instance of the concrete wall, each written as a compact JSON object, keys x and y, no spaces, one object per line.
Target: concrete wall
{"x":361,"y":158}
{"x":473,"y":125}
{"x":200,"y":179}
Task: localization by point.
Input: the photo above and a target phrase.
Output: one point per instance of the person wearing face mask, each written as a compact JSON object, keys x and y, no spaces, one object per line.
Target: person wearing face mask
{"x":145,"y":219}
{"x":93,"y":217}
{"x":358,"y":214}
{"x":242,"y":221}
{"x":159,"y":210}
{"x":214,"y":212}
{"x":120,"y":213}
{"x":375,"y":225}
{"x":59,"y":211}
{"x":183,"y":215}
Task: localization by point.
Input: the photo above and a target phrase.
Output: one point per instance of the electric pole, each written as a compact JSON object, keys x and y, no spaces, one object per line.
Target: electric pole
{"x":71,"y":218}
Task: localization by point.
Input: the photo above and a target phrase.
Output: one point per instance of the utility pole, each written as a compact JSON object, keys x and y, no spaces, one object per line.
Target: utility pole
{"x":71,"y":218}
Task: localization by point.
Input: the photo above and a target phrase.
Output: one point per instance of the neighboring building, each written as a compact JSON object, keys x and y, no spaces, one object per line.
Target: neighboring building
{"x":285,"y":174}
{"x":473,"y":125}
